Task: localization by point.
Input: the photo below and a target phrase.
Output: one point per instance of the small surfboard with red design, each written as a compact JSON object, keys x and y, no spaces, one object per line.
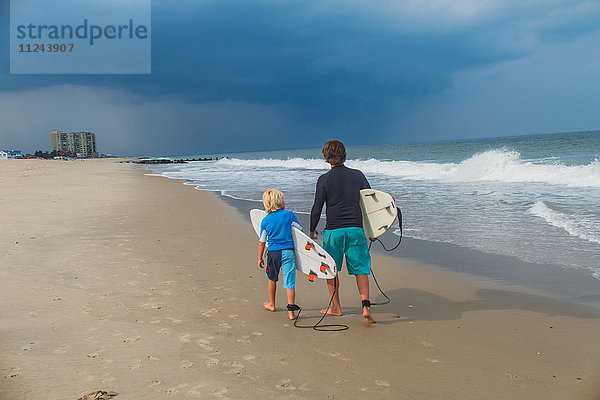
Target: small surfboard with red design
{"x":311,"y":259}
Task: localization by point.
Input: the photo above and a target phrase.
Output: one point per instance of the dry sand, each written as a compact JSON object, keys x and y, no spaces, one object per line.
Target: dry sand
{"x":116,"y":281}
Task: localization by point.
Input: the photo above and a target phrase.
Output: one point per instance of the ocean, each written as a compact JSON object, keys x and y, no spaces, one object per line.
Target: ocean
{"x":535,"y":198}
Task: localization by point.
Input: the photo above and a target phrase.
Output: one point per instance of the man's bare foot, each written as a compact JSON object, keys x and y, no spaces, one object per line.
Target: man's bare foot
{"x":269,"y":306}
{"x":367,"y":315}
{"x":331,"y":311}
{"x":292,"y":315}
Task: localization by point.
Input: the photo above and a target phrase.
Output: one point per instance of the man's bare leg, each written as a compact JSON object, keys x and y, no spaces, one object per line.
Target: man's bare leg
{"x":336,"y":309}
{"x":270,"y":305}
{"x":362,"y":281}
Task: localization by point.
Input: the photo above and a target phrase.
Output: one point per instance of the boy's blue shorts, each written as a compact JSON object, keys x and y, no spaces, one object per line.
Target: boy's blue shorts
{"x":282,"y":260}
{"x":352,"y":243}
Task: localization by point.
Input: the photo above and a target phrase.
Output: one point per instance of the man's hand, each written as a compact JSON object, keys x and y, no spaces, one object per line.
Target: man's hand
{"x":261,"y":263}
{"x":314,"y":234}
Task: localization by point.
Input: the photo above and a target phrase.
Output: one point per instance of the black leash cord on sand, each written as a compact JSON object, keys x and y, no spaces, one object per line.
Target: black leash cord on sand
{"x":323,"y":328}
{"x":341,"y":327}
{"x":399,"y":217}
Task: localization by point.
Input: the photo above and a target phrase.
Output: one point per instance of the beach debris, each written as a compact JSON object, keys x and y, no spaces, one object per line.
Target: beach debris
{"x":98,"y":395}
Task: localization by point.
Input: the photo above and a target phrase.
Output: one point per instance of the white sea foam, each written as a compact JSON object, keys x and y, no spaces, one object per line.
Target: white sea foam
{"x":495,"y":165}
{"x":582,"y":229}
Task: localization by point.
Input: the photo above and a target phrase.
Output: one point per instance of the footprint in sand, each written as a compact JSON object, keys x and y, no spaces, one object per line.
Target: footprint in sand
{"x":225,"y":325}
{"x":151,"y":306}
{"x":155,"y":382}
{"x":210,"y":312}
{"x":244,"y":339}
{"x":14,"y":372}
{"x":185,"y":339}
{"x":105,"y":317}
{"x":153,"y":358}
{"x":212,"y":362}
{"x":171,"y":391}
{"x":237,"y":368}
{"x":132,"y":339}
{"x":163,"y":331}
{"x":220,"y":394}
{"x":382,"y":383}
{"x":285,"y":385}
{"x":186,"y":364}
{"x":195,"y":391}
{"x":29,"y":346}
{"x":249,"y":357}
{"x":95,"y":355}
{"x":62,"y":349}
{"x":135,"y":366}
{"x":205,"y":344}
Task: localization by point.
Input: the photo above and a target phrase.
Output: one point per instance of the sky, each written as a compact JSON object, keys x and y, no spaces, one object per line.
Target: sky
{"x":244,"y":75}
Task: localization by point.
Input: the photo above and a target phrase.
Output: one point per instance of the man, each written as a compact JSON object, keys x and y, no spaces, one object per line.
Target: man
{"x":340,"y":189}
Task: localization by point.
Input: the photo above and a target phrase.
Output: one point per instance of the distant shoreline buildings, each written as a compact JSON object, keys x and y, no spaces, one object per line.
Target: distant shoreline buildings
{"x":10,"y":154}
{"x":81,"y":143}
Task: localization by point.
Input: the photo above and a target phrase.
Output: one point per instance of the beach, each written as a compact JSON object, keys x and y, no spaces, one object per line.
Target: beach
{"x":139,"y":285}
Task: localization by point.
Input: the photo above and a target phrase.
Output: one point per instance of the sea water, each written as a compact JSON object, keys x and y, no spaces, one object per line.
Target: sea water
{"x":533,"y":197}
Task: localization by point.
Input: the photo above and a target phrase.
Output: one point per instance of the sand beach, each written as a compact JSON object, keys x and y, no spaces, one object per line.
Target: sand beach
{"x":139,"y":285}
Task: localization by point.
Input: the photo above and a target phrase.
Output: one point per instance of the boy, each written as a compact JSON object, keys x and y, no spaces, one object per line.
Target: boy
{"x":276,"y":229}
{"x":344,"y":235}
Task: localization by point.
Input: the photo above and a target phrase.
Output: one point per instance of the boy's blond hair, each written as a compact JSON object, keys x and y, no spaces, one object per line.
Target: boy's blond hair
{"x":272,"y":200}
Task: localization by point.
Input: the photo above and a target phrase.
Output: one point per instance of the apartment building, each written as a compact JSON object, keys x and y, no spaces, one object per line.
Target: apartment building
{"x":82,"y":143}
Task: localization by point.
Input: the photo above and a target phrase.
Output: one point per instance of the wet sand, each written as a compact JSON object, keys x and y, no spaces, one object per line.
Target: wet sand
{"x":116,"y":281}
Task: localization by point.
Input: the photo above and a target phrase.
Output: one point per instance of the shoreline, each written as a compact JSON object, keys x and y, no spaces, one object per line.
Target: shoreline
{"x":121,"y":282}
{"x":575,"y":285}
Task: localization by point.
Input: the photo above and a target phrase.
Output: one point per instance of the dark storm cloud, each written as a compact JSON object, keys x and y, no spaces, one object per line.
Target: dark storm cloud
{"x":314,"y":69}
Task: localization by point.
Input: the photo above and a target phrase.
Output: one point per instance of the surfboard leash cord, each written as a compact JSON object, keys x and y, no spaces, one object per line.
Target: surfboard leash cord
{"x":399,"y":217}
{"x":317,"y":326}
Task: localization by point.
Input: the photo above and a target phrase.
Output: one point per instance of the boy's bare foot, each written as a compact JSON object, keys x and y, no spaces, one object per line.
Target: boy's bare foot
{"x":269,"y":306}
{"x":292,"y":315}
{"x":331,"y":311}
{"x":367,"y":315}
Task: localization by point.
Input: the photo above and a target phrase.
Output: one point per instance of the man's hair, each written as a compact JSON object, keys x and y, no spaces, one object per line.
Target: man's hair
{"x":272,"y":200}
{"x":334,"y":152}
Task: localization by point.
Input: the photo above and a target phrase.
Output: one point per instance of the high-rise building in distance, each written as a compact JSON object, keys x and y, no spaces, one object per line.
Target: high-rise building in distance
{"x":82,"y":143}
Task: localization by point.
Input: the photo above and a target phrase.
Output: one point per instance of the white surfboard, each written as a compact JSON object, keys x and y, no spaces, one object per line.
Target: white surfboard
{"x":379,"y":212}
{"x":310,"y":257}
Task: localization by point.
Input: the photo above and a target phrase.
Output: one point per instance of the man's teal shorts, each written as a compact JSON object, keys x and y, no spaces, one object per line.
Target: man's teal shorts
{"x":352,"y":243}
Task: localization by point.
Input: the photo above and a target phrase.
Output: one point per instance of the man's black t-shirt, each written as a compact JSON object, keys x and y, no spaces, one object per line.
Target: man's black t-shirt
{"x":340,"y":190}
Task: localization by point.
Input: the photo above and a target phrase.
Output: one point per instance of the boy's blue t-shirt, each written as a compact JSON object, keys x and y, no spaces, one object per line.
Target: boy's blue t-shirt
{"x":276,"y":229}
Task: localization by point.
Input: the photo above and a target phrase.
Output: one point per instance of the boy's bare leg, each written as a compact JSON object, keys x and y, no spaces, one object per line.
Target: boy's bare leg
{"x":336,"y":309}
{"x":362,"y":281}
{"x":270,"y":305}
{"x":291,"y":296}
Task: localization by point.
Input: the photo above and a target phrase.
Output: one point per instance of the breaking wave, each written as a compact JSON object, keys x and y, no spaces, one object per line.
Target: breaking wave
{"x":495,"y":165}
{"x":580,"y":228}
